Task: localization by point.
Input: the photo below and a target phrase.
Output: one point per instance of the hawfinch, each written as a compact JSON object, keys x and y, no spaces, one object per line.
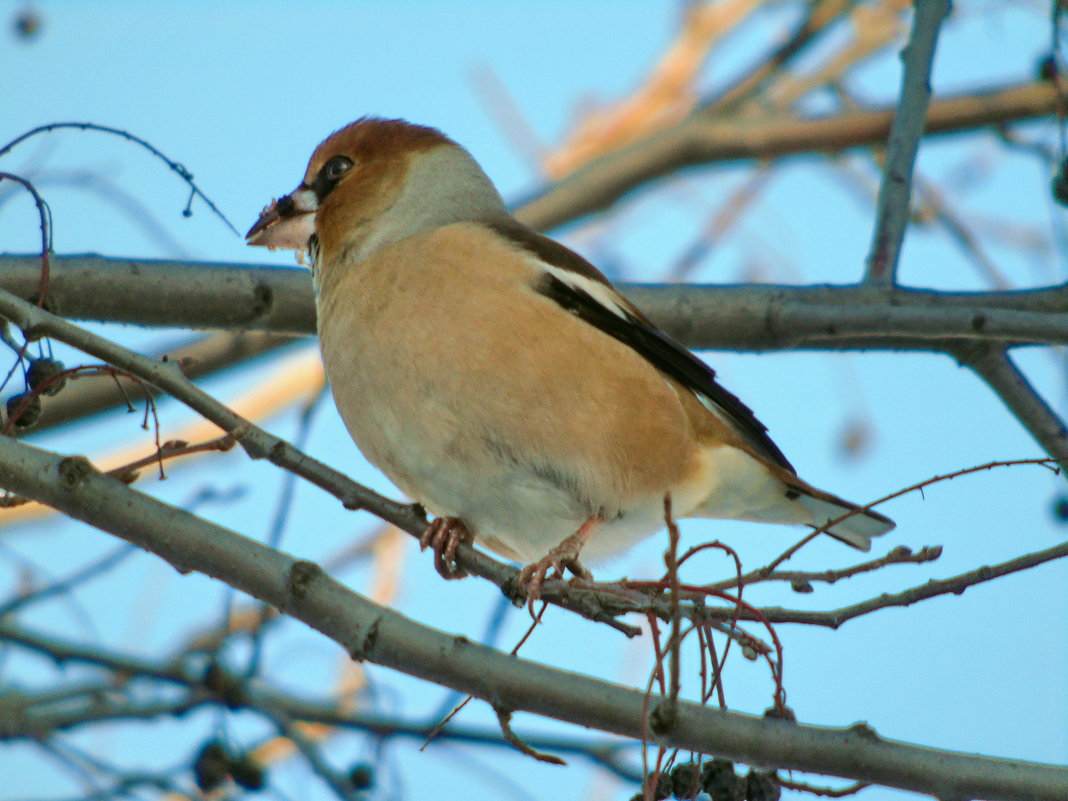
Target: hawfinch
{"x":501,"y":381}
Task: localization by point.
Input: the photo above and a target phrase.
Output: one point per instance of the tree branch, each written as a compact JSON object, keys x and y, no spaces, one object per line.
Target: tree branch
{"x":707,"y":138}
{"x":36,"y":716}
{"x":895,"y":190}
{"x":374,"y":633}
{"x":204,"y":356}
{"x":935,"y":587}
{"x":741,"y":317}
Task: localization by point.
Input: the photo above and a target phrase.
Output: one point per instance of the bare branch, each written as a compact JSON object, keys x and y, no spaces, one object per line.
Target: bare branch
{"x":370,"y":632}
{"x":742,"y":317}
{"x":504,"y":718}
{"x":895,"y":191}
{"x":901,"y":555}
{"x":956,"y":585}
{"x":44,"y":215}
{"x":203,"y":356}
{"x":701,"y":139}
{"x":39,"y":717}
{"x":169,"y":293}
{"x":175,"y":166}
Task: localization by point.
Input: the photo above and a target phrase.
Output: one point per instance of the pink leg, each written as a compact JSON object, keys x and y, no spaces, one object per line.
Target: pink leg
{"x":443,"y":535}
{"x":564,"y":555}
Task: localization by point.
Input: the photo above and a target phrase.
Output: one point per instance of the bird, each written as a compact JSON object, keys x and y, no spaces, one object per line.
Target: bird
{"x":502,"y":382}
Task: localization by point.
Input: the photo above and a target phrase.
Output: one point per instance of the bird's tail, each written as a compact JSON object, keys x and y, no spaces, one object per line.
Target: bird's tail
{"x":856,"y":530}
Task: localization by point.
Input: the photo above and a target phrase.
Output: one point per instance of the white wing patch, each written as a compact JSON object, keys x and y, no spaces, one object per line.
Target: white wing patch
{"x":604,"y":295}
{"x":608,"y":299}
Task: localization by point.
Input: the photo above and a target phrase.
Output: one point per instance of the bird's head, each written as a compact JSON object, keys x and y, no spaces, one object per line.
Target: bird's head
{"x":374,"y":182}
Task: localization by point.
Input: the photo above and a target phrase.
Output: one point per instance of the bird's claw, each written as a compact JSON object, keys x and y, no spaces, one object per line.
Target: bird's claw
{"x":533,"y":576}
{"x":443,"y":535}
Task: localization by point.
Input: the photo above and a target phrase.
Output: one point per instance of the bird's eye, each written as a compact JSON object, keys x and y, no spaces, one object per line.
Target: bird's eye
{"x":336,"y":167}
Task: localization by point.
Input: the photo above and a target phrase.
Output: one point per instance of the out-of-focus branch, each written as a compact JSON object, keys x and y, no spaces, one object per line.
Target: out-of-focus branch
{"x":818,"y":20}
{"x":377,"y":634}
{"x":895,"y":191}
{"x":38,"y":716}
{"x":709,"y":139}
{"x":723,"y":317}
{"x":665,"y":95}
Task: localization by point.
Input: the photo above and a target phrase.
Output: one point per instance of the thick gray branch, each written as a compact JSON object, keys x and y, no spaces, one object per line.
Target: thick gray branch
{"x":732,"y":317}
{"x":744,"y":317}
{"x":376,"y":634}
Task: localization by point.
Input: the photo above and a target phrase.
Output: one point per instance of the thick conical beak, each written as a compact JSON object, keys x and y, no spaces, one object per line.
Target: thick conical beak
{"x":287,"y":223}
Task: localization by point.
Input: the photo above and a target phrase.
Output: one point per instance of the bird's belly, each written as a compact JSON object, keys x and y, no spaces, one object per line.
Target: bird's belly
{"x":452,"y":465}
{"x":443,"y":464}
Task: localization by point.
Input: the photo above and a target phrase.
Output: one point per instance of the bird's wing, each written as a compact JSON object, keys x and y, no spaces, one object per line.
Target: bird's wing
{"x":580,"y":288}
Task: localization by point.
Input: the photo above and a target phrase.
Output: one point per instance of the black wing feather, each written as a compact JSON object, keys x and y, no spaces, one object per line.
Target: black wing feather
{"x":666,"y":355}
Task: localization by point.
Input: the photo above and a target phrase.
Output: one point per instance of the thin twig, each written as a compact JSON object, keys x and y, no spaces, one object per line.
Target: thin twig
{"x":175,"y":166}
{"x":76,"y":579}
{"x":898,"y":556}
{"x":671,"y":557}
{"x":504,"y":718}
{"x":933,"y":588}
{"x":44,"y":214}
{"x":826,"y":792}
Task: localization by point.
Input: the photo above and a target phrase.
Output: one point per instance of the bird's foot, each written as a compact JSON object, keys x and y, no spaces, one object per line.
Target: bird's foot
{"x":443,"y":535}
{"x":563,"y":556}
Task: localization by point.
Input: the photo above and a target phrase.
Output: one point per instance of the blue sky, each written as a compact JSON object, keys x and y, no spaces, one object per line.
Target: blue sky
{"x":241,"y":92}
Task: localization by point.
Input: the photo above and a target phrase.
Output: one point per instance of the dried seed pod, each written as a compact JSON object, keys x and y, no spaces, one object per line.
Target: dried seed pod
{"x":762,"y":786}
{"x":719,"y":780}
{"x":362,"y":776}
{"x":247,"y":772}
{"x":211,"y":766}
{"x":24,"y":410}
{"x":41,"y":370}
{"x":685,"y":780}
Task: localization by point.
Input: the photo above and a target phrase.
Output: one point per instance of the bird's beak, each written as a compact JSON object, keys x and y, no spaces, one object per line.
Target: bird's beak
{"x":287,"y":223}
